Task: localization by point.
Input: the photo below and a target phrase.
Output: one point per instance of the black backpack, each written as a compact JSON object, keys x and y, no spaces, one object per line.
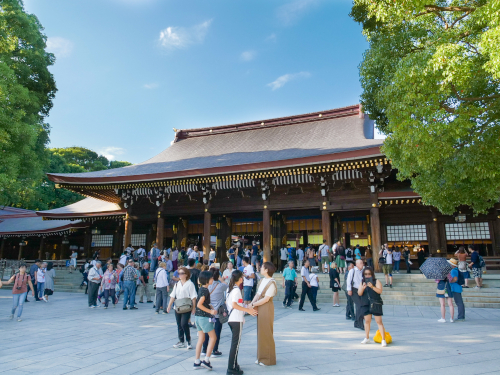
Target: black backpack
{"x":82,"y":268}
{"x":460,"y":278}
{"x":195,"y":273}
{"x":348,"y":253}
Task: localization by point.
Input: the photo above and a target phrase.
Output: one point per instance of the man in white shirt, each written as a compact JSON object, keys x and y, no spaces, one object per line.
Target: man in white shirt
{"x":324,"y":250}
{"x":387,"y":267}
{"x":283,"y":257}
{"x":354,"y":279}
{"x":249,"y":276}
{"x":141,"y":255}
{"x":306,"y":288}
{"x":162,"y":289}
{"x":123,"y":259}
{"x":129,"y":250}
{"x":300,"y":257}
{"x":155,"y":253}
{"x":95,"y":278}
{"x":192,"y":254}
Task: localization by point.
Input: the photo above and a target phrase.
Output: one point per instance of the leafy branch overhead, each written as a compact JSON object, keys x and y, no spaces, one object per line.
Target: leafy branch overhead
{"x":431,"y":80}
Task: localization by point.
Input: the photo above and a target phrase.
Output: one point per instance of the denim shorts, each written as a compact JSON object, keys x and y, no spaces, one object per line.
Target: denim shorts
{"x":203,"y":324}
{"x":247,"y":293}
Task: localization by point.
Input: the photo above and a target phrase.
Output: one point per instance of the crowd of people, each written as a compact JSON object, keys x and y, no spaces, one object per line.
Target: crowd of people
{"x":205,"y":295}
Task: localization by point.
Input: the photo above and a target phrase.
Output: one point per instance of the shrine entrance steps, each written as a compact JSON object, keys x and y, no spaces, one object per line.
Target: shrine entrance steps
{"x":410,"y":290}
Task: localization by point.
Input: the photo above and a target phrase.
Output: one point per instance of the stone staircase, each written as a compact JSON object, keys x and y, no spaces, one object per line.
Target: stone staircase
{"x":64,"y":282}
{"x":412,"y":290}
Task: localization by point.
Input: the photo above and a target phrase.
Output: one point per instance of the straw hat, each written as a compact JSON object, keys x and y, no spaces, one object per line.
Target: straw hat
{"x":453,"y":262}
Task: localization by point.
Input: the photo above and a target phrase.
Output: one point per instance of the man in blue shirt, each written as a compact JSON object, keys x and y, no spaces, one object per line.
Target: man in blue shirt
{"x":289,"y":281}
{"x":477,"y":270}
{"x":231,"y":254}
{"x":456,"y":288}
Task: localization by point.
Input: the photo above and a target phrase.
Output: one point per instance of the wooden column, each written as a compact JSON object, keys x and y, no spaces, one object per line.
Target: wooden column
{"x":435,"y":242}
{"x":20,"y":253}
{"x":87,"y":243}
{"x":207,"y":222}
{"x":2,"y":247}
{"x":40,"y":249}
{"x":128,"y":232}
{"x":278,"y":234}
{"x":496,"y":230}
{"x":375,"y":229}
{"x":223,"y":228}
{"x":326,"y":227}
{"x":160,"y":227}
{"x":266,"y":233}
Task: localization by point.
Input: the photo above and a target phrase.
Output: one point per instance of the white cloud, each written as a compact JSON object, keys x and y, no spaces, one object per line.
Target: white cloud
{"x":59,"y":46}
{"x":290,"y":12}
{"x":271,"y":38}
{"x":180,"y":37}
{"x":281,"y":81}
{"x":111,"y":152}
{"x":248,"y":55}
{"x":150,"y":86}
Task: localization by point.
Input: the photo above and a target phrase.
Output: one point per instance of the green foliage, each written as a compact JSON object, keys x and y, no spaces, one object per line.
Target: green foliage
{"x":42,"y":194}
{"x":26,"y":92}
{"x":431,"y":80}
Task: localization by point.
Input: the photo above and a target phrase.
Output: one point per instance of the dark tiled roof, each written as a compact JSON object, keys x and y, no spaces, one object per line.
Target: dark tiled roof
{"x":34,"y":225}
{"x":254,"y":143}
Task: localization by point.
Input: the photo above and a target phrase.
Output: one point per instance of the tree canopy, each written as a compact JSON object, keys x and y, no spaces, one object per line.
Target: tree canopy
{"x":42,"y":193}
{"x":431,"y":80}
{"x":27,"y":89}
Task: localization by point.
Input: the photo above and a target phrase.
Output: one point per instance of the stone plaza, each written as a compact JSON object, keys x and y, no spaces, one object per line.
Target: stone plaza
{"x":64,"y":336}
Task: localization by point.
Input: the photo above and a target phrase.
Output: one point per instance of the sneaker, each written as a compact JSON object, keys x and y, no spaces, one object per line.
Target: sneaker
{"x":11,"y":317}
{"x":316,"y":309}
{"x":164,"y":313}
{"x":365,"y":341}
{"x":284,"y":305}
{"x":179,"y":345}
{"x":134,"y":308}
{"x":259,"y":363}
{"x":19,"y":319}
{"x":386,"y":285}
{"x":216,"y":354}
{"x":465,"y":286}
{"x":105,"y":307}
{"x":289,"y":307}
{"x":203,"y":354}
{"x":91,"y":307}
{"x":189,"y":346}
{"x":45,"y":299}
{"x":384,"y":344}
{"x":442,"y":320}
{"x":206,"y":365}
{"x":96,"y":306}
{"x":125,"y":308}
{"x":459,"y":320}
{"x":302,"y":310}
{"x":390,"y":286}
{"x":150,"y":301}
{"x":336,"y":305}
{"x":197,"y":366}
{"x":451,"y":320}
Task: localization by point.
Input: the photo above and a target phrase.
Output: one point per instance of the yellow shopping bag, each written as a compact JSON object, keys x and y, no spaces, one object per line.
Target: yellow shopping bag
{"x":378,"y":337}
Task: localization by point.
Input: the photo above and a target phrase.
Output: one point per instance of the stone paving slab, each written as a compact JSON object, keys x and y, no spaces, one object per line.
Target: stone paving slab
{"x":73,"y":339}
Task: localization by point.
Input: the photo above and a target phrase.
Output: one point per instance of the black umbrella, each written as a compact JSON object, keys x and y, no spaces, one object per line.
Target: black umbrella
{"x":436,"y":268}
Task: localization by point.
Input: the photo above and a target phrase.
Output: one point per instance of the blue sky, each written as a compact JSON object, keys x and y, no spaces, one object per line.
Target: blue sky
{"x":128,"y":71}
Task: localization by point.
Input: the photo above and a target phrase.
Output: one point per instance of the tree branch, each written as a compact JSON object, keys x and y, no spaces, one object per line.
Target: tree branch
{"x":455,"y":91}
{"x":435,"y":8}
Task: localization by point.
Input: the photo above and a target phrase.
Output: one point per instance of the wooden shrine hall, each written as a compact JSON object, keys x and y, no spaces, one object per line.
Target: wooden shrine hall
{"x":291,"y":180}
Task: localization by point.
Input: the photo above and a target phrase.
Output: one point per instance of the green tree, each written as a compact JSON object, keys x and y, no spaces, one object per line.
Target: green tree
{"x":27,"y":89}
{"x":431,"y":80}
{"x":42,"y":193}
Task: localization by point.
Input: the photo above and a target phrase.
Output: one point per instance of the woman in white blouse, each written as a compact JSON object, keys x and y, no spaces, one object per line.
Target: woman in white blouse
{"x":226,"y":275}
{"x":263,"y":301}
{"x":184,"y":288}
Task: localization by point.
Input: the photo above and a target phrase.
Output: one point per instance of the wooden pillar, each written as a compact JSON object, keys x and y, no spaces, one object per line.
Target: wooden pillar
{"x":435,"y":242}
{"x":160,"y":228}
{"x":496,"y":230}
{"x":40,"y":249}
{"x":207,"y":223}
{"x":20,"y":253}
{"x":87,"y":243}
{"x":223,"y":228}
{"x":375,"y":229}
{"x":128,"y":232}
{"x":326,"y":227}
{"x":278,"y":236}
{"x":2,"y":247}
{"x":266,"y":233}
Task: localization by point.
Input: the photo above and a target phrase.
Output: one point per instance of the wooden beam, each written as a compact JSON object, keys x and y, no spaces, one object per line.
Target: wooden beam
{"x":2,"y":247}
{"x":375,"y":229}
{"x":160,"y":225}
{"x":128,"y":232}
{"x":40,"y":249}
{"x":326,"y":227}
{"x":207,"y":221}
{"x":266,"y":234}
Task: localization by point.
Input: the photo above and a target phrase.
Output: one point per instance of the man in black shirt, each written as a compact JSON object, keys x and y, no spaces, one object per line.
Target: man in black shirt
{"x":195,"y":273}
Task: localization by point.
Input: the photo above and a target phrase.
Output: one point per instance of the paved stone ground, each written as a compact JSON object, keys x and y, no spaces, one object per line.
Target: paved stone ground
{"x":64,"y":336}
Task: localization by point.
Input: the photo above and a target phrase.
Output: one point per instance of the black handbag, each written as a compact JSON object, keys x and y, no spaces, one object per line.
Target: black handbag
{"x":376,"y":306}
